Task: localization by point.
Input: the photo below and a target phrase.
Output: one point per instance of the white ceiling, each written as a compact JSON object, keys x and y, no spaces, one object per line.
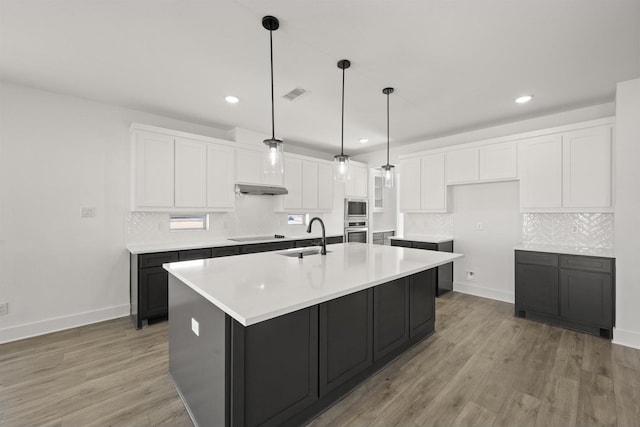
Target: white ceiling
{"x":455,"y":65}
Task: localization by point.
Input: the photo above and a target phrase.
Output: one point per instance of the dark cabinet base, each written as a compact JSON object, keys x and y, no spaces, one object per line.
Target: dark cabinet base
{"x":287,"y":370}
{"x":444,"y":273}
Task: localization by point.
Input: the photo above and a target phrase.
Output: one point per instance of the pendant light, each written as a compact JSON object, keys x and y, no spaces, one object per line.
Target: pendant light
{"x":273,"y":163}
{"x":387,"y":170}
{"x":341,"y":170}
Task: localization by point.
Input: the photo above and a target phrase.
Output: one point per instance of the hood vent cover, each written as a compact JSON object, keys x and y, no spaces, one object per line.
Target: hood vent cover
{"x":261,"y":190}
{"x":294,"y":94}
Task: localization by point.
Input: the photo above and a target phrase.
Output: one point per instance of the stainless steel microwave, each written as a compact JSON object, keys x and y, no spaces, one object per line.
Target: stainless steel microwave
{"x":355,"y":209}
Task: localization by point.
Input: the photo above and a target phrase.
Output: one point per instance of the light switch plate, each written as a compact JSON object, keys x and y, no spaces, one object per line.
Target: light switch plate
{"x":195,"y":327}
{"x":87,"y":212}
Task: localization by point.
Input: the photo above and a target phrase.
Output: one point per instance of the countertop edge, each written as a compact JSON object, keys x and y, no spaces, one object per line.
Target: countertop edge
{"x":567,"y":250}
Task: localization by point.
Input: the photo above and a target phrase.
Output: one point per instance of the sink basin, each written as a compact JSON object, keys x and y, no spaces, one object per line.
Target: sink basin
{"x":304,"y":252}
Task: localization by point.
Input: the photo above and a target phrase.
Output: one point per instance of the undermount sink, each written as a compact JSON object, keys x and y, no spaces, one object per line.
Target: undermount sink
{"x":304,"y":252}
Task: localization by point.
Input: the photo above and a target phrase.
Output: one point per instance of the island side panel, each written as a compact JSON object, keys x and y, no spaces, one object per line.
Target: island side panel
{"x":197,"y":363}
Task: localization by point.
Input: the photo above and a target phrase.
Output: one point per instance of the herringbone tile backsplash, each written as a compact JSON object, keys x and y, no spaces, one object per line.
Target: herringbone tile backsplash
{"x":571,"y":229}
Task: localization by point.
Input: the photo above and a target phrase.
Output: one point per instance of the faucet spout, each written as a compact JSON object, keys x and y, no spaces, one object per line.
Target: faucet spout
{"x":324,"y":237}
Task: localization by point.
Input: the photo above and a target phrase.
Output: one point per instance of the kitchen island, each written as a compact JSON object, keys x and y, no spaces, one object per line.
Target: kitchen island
{"x":274,"y":339}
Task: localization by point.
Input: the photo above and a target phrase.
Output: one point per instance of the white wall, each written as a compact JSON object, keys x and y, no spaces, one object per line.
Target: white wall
{"x":627,"y":222}
{"x":59,"y":154}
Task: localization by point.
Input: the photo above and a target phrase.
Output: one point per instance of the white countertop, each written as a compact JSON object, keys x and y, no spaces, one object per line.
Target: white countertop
{"x":383,"y":230}
{"x":568,"y":250}
{"x":142,"y":248}
{"x":427,"y":238}
{"x":257,"y":287}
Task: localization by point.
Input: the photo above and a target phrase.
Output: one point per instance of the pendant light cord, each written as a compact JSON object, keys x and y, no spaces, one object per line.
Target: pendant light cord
{"x":342,"y":123}
{"x":387,"y":129}
{"x":273,"y":120}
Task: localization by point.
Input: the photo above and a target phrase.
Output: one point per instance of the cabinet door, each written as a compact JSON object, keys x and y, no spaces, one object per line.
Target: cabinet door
{"x":541,"y":172}
{"x":462,"y":166}
{"x":586,"y":297}
{"x":378,"y":190}
{"x":325,"y":186}
{"x":309,"y":185}
{"x":278,"y":375}
{"x":537,"y":288}
{"x":410,"y":184}
{"x":587,"y":168}
{"x":220,"y":191}
{"x":356,"y":186}
{"x":248,"y":166}
{"x":194,"y":254}
{"x":391,"y":317}
{"x":154,"y":298}
{"x":191,"y":173}
{"x":346,"y":333}
{"x":432,"y":185}
{"x":154,"y":170}
{"x":422,"y":309}
{"x":293,"y":183}
{"x":498,"y":161}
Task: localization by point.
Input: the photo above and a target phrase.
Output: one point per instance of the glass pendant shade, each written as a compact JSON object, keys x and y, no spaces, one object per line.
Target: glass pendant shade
{"x":387,"y":175}
{"x":274,"y":161}
{"x":341,"y":167}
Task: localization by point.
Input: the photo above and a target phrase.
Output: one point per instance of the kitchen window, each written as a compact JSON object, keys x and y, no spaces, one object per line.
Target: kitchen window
{"x":188,"y":222}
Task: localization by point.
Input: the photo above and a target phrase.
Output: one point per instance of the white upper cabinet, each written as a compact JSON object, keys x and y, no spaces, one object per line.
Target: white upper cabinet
{"x":541,"y":172}
{"x":309,"y":185}
{"x":191,"y":173}
{"x":153,"y":156}
{"x":587,"y":168}
{"x":356,"y":185}
{"x":433,"y":188}
{"x":177,"y":172}
{"x":220,"y":183}
{"x":249,"y":166}
{"x":292,"y":182}
{"x":325,"y":186}
{"x":410,"y":188}
{"x":498,"y":162}
{"x":462,"y":166}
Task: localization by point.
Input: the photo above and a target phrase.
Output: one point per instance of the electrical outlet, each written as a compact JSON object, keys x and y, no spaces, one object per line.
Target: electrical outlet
{"x":195,"y":327}
{"x":471,"y":275}
{"x":479,"y":226}
{"x":87,"y":212}
{"x":574,"y":228}
{"x":4,"y":308}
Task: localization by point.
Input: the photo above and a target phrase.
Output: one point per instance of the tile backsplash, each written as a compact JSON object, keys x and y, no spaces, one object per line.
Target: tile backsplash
{"x":427,"y":223}
{"x":593,"y":230}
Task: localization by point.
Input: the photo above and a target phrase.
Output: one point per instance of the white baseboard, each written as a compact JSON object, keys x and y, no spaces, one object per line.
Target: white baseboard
{"x":14,"y":333}
{"x":481,"y":291}
{"x":626,"y":338}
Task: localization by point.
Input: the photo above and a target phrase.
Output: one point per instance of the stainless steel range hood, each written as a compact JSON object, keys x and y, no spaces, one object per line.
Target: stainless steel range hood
{"x":261,"y":190}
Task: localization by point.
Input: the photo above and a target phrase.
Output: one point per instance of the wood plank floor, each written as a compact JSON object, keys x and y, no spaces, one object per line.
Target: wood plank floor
{"x":482,"y":367}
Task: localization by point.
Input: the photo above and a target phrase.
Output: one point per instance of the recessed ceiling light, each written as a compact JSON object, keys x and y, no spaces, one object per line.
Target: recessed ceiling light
{"x":231,"y":99}
{"x":363,"y":140}
{"x":524,"y":99}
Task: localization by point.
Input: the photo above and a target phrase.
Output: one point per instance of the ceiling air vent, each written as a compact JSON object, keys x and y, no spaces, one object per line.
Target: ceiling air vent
{"x":294,"y":94}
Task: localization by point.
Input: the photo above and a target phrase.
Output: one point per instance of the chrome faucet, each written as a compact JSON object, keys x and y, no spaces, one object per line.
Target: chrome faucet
{"x":324,"y":237}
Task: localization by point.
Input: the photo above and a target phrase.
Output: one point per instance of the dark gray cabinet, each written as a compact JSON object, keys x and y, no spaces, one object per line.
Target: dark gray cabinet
{"x":391,"y":317}
{"x":444,"y":277}
{"x":346,"y":336}
{"x":422,"y":308}
{"x":148,"y":280}
{"x":275,"y":367}
{"x":572,"y":291}
{"x":382,"y":237}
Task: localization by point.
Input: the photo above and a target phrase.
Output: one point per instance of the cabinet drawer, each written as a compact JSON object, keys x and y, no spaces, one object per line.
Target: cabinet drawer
{"x":425,"y":245}
{"x":266,"y":247}
{"x":601,"y":265}
{"x":537,"y":258}
{"x":403,"y":243}
{"x":225,"y":251}
{"x":334,"y":240}
{"x":157,"y":259}
{"x":192,"y":254}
